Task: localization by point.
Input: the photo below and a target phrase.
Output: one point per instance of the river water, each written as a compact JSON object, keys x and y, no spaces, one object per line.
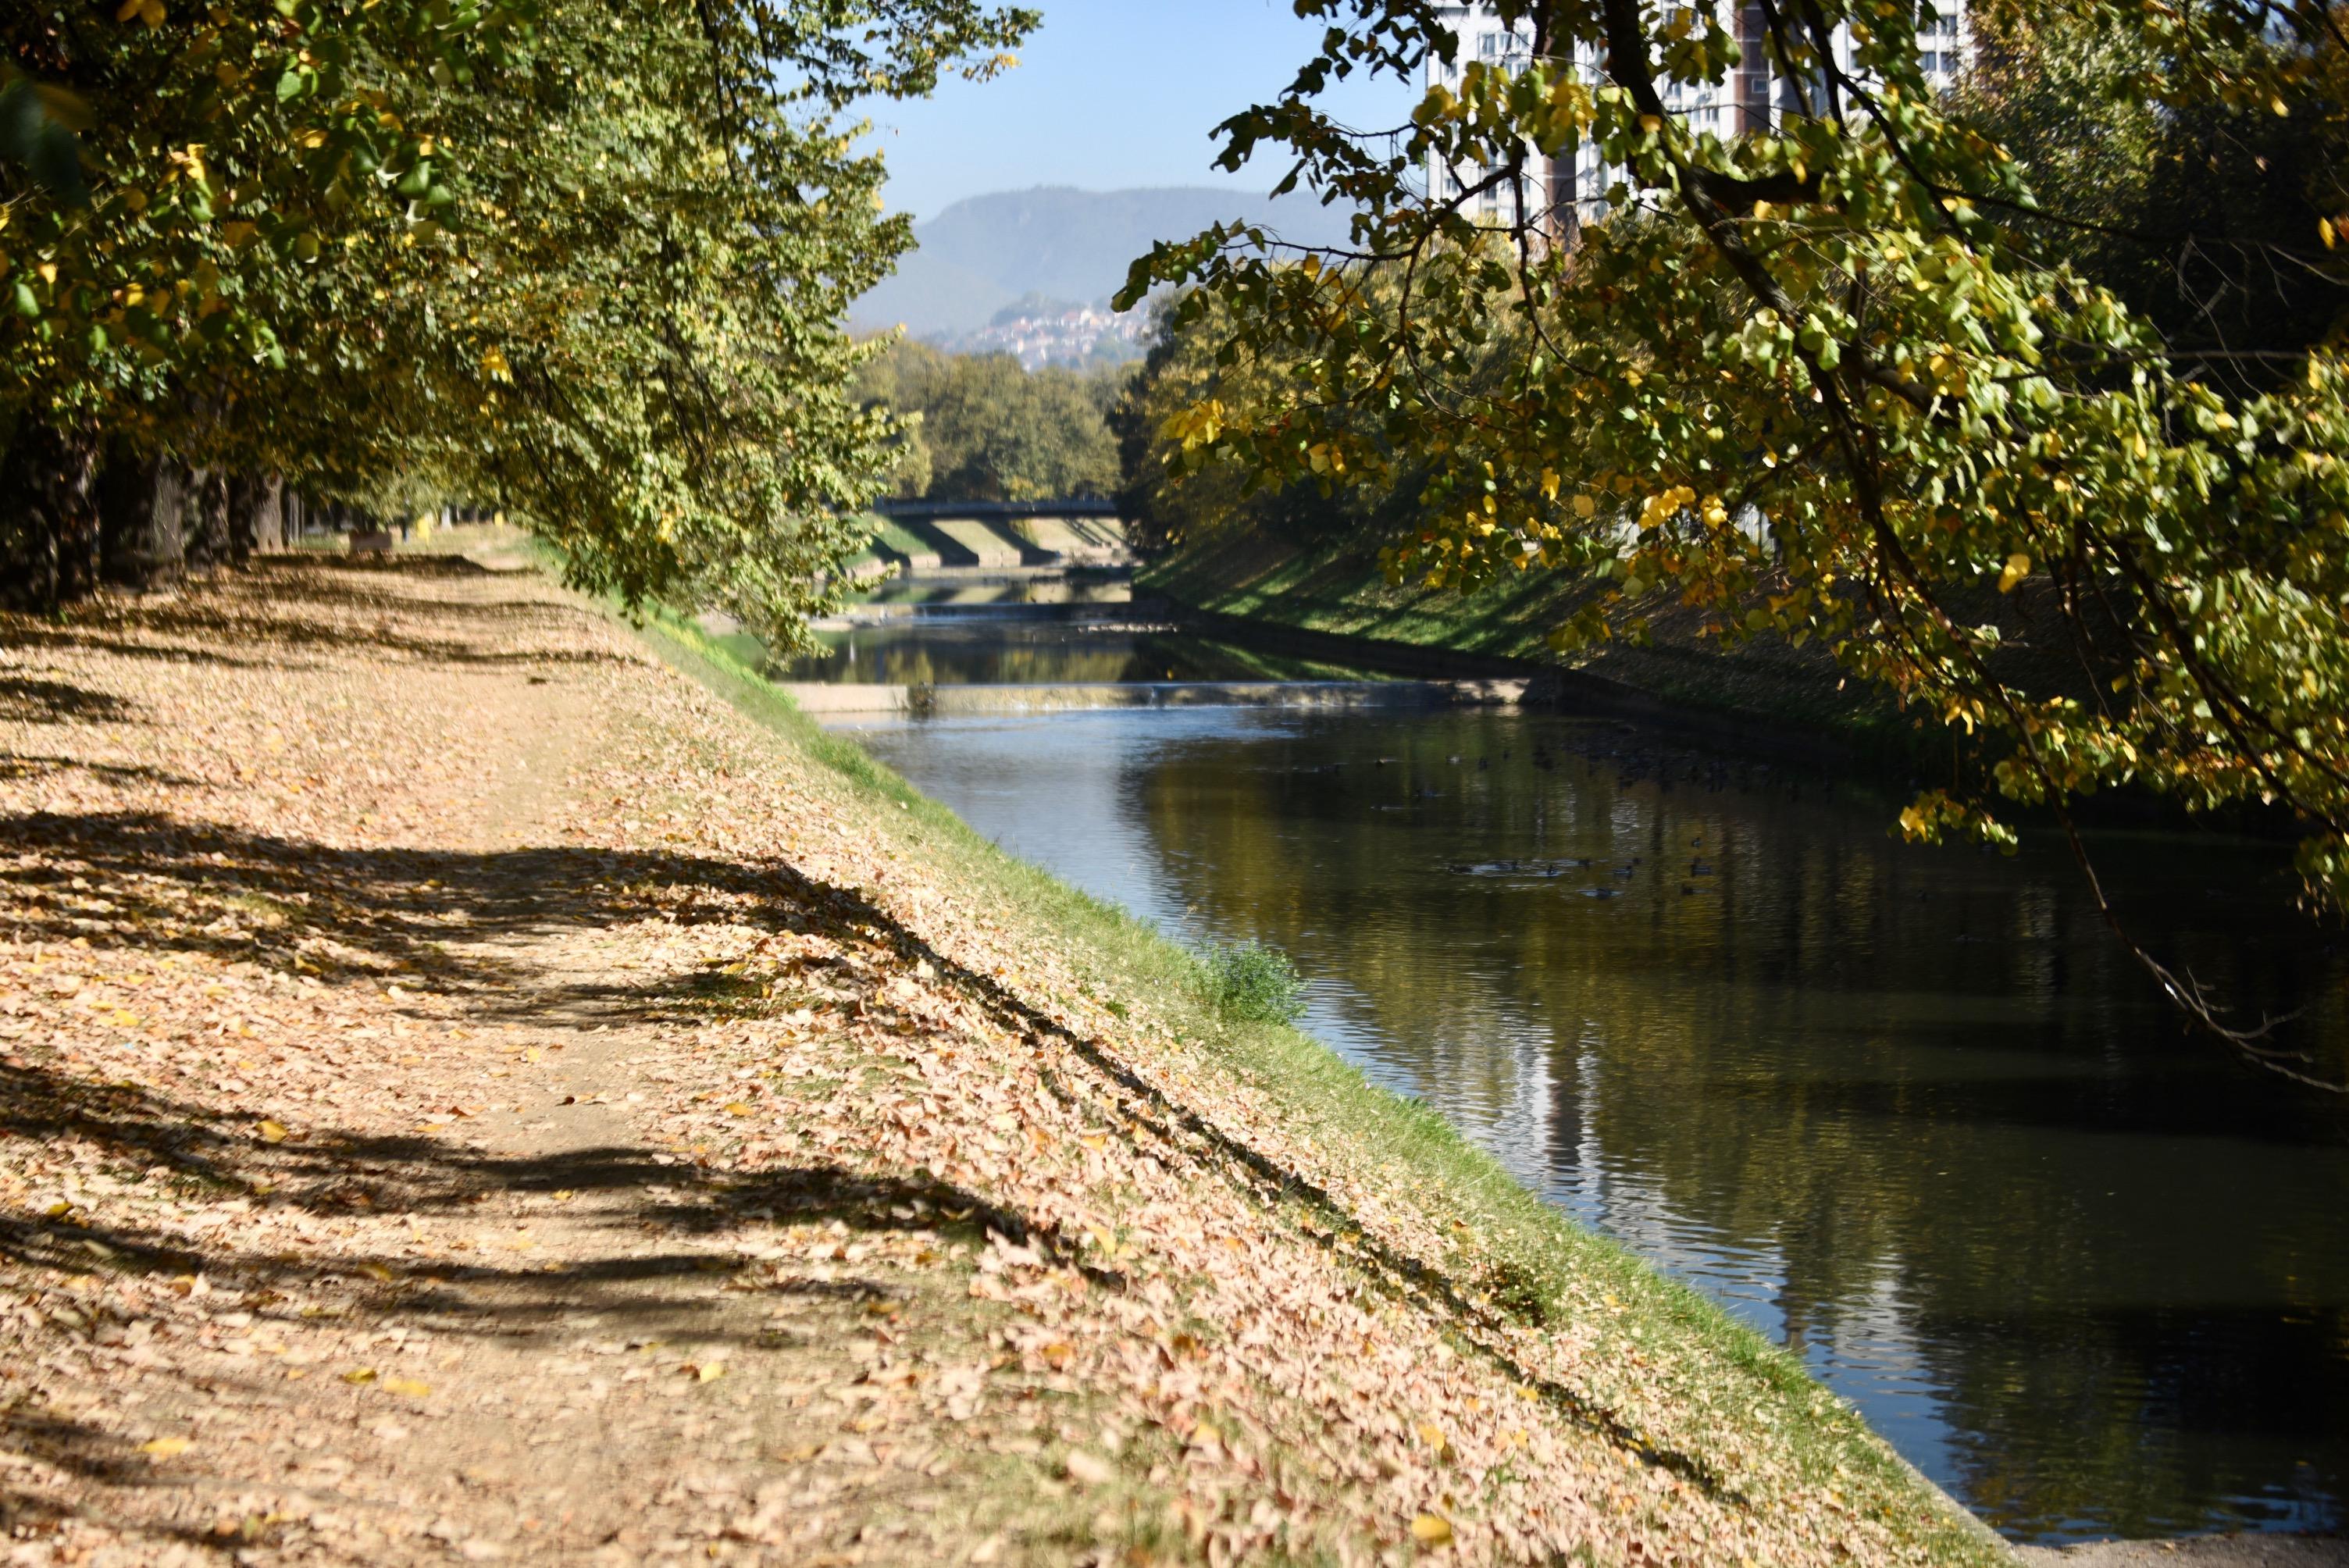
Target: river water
{"x":1912,"y":1113}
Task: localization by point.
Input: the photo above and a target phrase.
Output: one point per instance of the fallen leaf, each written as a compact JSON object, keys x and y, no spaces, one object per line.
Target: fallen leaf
{"x":359,"y":1375}
{"x":164,"y":1447}
{"x":272,"y":1133}
{"x":1431,"y":1531}
{"x":408,"y":1385}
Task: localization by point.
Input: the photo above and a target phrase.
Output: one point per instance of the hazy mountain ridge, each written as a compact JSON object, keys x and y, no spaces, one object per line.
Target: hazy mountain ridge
{"x":984,"y":256}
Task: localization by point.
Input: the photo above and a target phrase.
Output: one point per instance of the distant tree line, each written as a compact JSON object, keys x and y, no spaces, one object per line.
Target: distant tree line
{"x":979,"y":427}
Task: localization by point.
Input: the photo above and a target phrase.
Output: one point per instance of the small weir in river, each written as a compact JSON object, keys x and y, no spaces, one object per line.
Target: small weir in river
{"x":1912,"y":1113}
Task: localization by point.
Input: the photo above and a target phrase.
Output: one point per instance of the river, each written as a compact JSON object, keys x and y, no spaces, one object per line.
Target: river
{"x":1912,"y":1113}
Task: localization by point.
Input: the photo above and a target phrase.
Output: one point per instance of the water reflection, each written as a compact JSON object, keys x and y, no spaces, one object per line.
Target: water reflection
{"x":1911,"y":1113}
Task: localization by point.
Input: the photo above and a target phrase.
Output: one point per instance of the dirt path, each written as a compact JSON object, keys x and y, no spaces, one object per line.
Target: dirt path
{"x":467,"y":1310}
{"x":465,"y":1094}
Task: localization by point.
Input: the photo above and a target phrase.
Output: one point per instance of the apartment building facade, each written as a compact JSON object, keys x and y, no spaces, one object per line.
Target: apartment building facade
{"x":1563,"y":193}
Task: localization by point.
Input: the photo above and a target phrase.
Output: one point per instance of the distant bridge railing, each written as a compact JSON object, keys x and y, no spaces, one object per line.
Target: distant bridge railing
{"x":1079,"y":506}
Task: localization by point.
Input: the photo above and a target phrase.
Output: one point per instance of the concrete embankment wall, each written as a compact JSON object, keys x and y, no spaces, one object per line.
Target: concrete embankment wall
{"x":830,"y":700}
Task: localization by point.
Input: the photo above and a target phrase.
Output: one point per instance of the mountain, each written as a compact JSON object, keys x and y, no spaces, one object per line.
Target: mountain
{"x":983,"y":256}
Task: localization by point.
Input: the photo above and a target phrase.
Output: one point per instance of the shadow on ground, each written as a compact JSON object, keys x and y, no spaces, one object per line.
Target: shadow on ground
{"x":386,"y":912}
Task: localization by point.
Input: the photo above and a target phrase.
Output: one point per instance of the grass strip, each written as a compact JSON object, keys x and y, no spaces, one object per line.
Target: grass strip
{"x":1715,"y":1393}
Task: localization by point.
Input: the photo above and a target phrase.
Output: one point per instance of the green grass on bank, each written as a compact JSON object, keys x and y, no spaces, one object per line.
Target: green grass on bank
{"x":1729,"y":1392}
{"x":1338,"y":589}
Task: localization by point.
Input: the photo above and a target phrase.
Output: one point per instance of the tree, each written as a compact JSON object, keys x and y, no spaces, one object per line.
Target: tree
{"x":1865,"y":374}
{"x":581,"y":260}
{"x":982,"y":427}
{"x":1168,"y":423}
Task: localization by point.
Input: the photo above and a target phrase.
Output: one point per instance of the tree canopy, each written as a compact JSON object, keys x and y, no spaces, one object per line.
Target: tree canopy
{"x":981,"y":427}
{"x":2029,"y":398}
{"x":585,"y":261}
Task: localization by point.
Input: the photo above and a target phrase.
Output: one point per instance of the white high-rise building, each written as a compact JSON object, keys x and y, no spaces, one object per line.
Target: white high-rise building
{"x":1560,"y":194}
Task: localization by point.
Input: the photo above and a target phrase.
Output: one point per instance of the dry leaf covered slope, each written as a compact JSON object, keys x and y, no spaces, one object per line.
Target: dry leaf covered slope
{"x":473,"y":1091}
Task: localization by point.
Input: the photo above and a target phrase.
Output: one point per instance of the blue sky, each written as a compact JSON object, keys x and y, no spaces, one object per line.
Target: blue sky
{"x":1110,"y":94}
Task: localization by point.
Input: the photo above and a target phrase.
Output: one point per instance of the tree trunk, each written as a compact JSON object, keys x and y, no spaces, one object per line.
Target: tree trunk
{"x":48,"y":516}
{"x":206,"y":522}
{"x":140,"y":503}
{"x":252,"y":514}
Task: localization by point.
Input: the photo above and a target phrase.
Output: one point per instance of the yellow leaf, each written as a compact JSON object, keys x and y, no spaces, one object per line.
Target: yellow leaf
{"x":2018,"y":567}
{"x":738,"y":1108}
{"x":359,"y":1375}
{"x":1431,"y":1531}
{"x":408,"y":1385}
{"x":375,"y":1271}
{"x":164,"y":1447}
{"x":272,"y":1133}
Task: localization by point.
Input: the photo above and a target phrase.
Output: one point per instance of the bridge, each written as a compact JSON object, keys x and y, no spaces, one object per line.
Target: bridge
{"x":998,"y":535}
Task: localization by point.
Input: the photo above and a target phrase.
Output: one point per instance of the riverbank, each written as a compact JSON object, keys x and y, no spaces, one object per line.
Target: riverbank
{"x":474,"y":1091}
{"x":1339,"y":592}
{"x":2200,"y":1552}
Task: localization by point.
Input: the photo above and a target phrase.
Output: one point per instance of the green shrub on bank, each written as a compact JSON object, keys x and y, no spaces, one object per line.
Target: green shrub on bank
{"x":1253,"y":984}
